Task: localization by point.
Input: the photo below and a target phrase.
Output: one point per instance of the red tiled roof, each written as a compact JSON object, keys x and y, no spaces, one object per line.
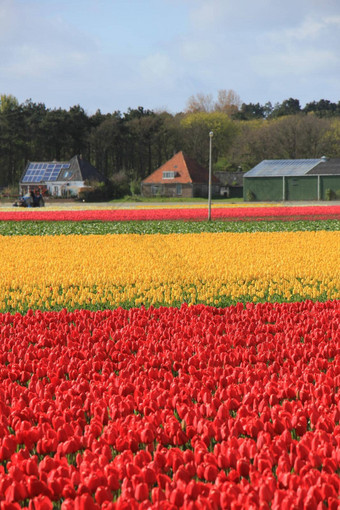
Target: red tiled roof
{"x":187,"y":171}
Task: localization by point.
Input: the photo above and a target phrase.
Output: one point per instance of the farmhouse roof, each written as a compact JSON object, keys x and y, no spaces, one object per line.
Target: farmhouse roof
{"x":80,"y":170}
{"x":76,"y":169}
{"x":180,"y":169}
{"x":295,"y":167}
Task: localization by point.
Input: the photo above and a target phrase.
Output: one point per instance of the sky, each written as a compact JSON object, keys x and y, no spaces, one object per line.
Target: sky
{"x":112,"y":55}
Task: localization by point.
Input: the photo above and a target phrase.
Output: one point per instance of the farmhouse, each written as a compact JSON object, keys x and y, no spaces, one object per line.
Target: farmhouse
{"x":181,"y":176}
{"x":59,"y":178}
{"x":293,"y":179}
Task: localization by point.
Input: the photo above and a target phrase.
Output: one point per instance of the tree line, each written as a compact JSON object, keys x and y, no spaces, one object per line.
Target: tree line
{"x":133,"y":144}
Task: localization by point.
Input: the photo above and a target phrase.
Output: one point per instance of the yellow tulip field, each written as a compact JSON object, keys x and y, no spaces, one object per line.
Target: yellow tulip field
{"x":99,"y":271}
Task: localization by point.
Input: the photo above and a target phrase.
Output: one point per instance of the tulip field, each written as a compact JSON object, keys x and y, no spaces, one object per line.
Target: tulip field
{"x":160,"y":361}
{"x":176,"y":213}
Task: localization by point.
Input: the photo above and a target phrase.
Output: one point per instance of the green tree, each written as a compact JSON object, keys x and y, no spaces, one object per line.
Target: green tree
{"x":12,"y":145}
{"x":34,"y":115}
{"x":136,"y":143}
{"x":168,"y":138}
{"x":78,"y":129}
{"x":288,"y":107}
{"x":292,"y":137}
{"x":250,"y":111}
{"x":58,"y":140}
{"x":300,"y":136}
{"x":108,"y":145}
{"x":322,"y":108}
{"x":332,"y":139}
{"x":196,"y":128}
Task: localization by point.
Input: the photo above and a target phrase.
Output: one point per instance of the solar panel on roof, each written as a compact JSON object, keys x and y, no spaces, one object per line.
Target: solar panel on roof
{"x":33,"y":175}
{"x":37,"y":172}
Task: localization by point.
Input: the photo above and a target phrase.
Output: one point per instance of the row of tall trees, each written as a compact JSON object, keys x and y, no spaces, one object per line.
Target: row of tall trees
{"x":137,"y":142}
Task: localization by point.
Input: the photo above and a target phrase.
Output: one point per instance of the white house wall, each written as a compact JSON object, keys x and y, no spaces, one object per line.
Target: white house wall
{"x":71,"y":187}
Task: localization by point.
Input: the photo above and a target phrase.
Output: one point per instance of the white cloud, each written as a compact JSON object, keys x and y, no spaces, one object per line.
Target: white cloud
{"x":40,"y":52}
{"x":306,"y":49}
{"x":197,"y":50}
{"x":206,"y":15}
{"x":288,"y":64}
{"x":156,"y":67}
{"x":309,"y":29}
{"x":31,"y":61}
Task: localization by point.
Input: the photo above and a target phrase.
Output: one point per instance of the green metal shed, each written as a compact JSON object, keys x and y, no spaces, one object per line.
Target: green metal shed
{"x":293,"y":180}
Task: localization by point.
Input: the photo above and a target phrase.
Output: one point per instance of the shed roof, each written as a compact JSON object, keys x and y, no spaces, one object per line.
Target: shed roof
{"x":326,"y":167}
{"x":282,"y":167}
{"x":184,"y":169}
{"x":295,"y":167}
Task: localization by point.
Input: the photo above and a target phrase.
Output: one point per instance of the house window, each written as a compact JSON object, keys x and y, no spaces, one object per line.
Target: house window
{"x":169,"y":175}
{"x":178,"y":189}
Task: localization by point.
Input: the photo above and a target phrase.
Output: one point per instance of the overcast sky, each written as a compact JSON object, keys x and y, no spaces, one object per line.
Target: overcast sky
{"x":119,"y":54}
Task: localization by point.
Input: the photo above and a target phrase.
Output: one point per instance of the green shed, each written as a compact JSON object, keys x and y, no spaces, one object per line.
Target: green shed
{"x":293,"y":180}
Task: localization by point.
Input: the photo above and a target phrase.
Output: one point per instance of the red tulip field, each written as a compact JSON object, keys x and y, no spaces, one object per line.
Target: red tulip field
{"x":191,"y":213}
{"x":191,"y":407}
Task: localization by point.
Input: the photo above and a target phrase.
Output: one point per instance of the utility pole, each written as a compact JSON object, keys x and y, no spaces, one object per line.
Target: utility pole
{"x":211,"y":134}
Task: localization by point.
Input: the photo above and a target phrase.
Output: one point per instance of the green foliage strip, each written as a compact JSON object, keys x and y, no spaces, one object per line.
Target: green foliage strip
{"x":159,"y":227}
